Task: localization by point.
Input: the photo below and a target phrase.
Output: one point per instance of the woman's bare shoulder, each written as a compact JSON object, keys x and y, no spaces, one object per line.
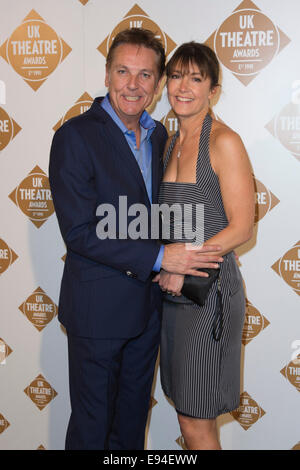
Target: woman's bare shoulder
{"x":221,"y":132}
{"x":223,"y":138}
{"x":226,"y":148}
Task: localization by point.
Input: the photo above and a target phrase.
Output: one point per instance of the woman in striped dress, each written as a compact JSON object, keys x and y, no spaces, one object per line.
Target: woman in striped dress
{"x":205,"y":163}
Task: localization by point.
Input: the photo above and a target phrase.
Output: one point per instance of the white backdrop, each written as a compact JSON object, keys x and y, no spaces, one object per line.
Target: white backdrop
{"x":62,"y":44}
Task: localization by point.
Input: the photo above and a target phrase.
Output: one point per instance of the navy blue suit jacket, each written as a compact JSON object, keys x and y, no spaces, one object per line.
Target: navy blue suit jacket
{"x":106,"y":289}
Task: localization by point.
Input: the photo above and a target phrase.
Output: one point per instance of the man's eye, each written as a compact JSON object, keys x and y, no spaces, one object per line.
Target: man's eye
{"x":121,"y":71}
{"x":145,"y":75}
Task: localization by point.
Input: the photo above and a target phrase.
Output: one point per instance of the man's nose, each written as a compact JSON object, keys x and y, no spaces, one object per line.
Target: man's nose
{"x":133,"y":82}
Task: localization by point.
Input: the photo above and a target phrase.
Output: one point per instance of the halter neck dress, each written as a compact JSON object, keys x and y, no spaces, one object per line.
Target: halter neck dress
{"x":200,"y":374}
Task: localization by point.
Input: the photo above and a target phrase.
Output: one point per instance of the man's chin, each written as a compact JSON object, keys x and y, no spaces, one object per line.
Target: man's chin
{"x":132,"y":112}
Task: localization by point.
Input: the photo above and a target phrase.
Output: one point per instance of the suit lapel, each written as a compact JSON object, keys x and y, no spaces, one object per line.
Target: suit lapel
{"x":124,"y":154}
{"x":155,"y":167}
{"x":118,"y":141}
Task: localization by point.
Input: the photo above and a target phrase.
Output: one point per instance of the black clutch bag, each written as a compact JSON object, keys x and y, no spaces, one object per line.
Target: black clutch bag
{"x":197,"y":288}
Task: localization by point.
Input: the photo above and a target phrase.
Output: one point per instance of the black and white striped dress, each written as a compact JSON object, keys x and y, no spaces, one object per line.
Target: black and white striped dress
{"x":199,"y":374}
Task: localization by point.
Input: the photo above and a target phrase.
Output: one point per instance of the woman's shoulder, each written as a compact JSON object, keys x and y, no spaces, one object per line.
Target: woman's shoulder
{"x":222,"y":132}
{"x":223,"y":137}
{"x":226,"y":148}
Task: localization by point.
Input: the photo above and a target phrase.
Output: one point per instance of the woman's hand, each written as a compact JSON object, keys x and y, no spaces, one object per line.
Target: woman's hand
{"x":171,"y":283}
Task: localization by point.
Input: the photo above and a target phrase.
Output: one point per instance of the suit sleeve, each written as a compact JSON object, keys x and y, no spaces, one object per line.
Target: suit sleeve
{"x":71,"y":176}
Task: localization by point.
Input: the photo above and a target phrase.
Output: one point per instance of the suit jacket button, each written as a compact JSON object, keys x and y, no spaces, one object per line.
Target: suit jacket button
{"x":130,"y":274}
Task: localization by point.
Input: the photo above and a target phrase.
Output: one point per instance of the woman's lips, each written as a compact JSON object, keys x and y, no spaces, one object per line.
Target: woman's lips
{"x":183,"y":99}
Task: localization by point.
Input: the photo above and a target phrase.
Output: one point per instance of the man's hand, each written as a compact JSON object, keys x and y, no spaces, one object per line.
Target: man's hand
{"x":182,"y":260}
{"x":171,"y":283}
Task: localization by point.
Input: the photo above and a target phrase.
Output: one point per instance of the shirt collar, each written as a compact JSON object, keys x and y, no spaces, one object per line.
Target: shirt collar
{"x":146,"y":120}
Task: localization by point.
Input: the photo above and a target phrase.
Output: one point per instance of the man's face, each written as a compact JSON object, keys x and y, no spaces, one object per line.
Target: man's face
{"x":132,"y":81}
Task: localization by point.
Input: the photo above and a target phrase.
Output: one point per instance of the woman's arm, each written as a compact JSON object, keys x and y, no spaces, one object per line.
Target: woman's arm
{"x":230,"y":162}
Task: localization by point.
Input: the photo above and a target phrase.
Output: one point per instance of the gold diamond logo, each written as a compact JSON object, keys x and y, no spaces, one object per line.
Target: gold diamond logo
{"x":288,"y":267}
{"x":33,"y":197}
{"x":248,"y":413}
{"x":3,"y":423}
{"x":8,"y":129}
{"x":40,"y":392}
{"x":137,"y":18}
{"x":247,"y":41}
{"x":170,"y":122}
{"x":265,"y":200}
{"x":7,"y":256}
{"x":81,"y":105}
{"x":292,"y":372}
{"x":34,"y":50}
{"x":254,"y":324}
{"x":5,"y":351}
{"x":285,"y":127}
{"x":39,"y":309}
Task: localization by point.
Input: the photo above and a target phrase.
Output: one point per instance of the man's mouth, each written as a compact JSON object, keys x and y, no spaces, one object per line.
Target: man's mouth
{"x":132,"y":98}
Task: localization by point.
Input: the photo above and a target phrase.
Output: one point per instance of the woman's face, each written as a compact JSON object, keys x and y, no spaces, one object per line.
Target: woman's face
{"x":189,"y":93}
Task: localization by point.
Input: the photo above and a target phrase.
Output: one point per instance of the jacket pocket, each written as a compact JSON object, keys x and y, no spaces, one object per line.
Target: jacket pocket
{"x":91,"y":273}
{"x":98,"y":272}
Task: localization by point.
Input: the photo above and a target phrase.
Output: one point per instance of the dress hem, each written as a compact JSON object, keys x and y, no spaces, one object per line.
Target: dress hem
{"x":214,"y":416}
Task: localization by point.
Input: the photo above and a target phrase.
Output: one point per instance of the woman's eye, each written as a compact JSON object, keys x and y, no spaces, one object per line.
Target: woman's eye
{"x":175,"y":75}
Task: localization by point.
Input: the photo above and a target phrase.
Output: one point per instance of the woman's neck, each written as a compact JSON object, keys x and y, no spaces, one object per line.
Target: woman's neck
{"x":189,"y":126}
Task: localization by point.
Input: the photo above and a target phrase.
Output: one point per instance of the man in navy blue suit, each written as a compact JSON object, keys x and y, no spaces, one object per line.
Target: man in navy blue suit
{"x":108,"y":303}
